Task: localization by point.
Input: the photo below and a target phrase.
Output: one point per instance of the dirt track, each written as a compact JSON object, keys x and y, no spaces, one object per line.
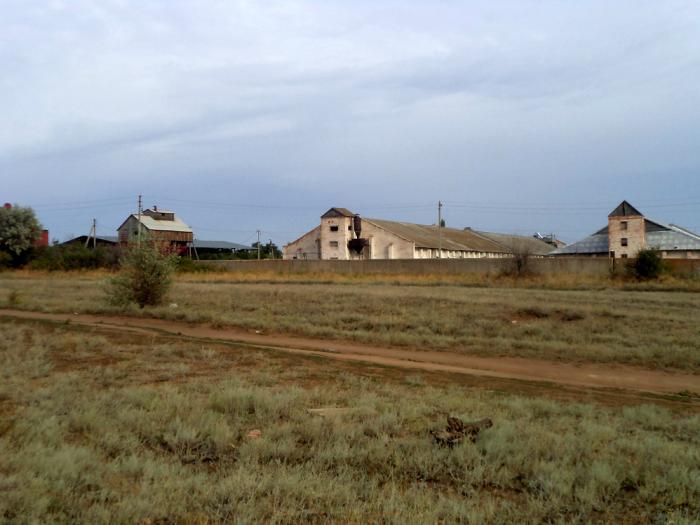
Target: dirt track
{"x":588,"y":375}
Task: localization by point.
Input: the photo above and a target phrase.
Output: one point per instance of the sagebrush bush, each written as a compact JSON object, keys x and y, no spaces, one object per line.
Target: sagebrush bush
{"x":145,"y":277}
{"x":73,"y":450}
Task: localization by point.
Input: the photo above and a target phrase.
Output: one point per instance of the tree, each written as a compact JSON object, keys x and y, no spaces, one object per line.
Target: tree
{"x":144,"y":278}
{"x":19,"y":230}
{"x":267,"y":251}
{"x":647,"y":265}
{"x":518,"y":265}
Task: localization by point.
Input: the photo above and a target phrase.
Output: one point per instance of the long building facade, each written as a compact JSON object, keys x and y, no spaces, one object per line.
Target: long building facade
{"x":343,"y":235}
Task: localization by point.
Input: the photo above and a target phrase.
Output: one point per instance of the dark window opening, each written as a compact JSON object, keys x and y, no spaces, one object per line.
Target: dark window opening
{"x":623,"y":225}
{"x":334,"y":228}
{"x":624,"y":256}
{"x":334,"y":244}
{"x":623,"y":241}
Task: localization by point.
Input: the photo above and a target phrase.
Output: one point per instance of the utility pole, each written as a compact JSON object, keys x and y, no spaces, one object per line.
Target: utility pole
{"x":138,"y":233}
{"x":272,"y":251}
{"x":258,"y":245}
{"x":439,"y":229}
{"x":92,"y":235}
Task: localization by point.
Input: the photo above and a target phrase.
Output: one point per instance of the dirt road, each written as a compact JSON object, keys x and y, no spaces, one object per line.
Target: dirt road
{"x":585,"y":375}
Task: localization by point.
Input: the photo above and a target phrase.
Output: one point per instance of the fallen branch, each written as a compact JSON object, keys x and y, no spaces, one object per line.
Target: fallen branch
{"x":457,"y":430}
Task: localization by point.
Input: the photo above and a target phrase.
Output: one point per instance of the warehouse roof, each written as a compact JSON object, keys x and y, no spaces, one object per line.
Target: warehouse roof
{"x":520,"y":243}
{"x":109,"y":239}
{"x":658,"y":236}
{"x":219,"y":245}
{"x":428,"y":236}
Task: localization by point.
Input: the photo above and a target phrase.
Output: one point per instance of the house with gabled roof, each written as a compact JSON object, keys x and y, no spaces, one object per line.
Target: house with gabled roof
{"x":344,"y":235}
{"x":161,"y":227}
{"x":629,"y":231}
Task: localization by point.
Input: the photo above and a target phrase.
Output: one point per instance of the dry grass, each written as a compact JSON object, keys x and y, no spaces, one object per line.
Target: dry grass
{"x":493,"y":280}
{"x":654,"y":329}
{"x":98,"y":429}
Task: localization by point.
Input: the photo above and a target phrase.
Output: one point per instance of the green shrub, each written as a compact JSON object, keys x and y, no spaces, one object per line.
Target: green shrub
{"x":75,"y":257}
{"x":144,"y":278}
{"x":187,"y":265}
{"x":648,"y":265}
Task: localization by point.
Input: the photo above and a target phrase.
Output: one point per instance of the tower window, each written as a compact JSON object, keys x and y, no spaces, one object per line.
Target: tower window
{"x":623,"y":241}
{"x":334,"y":228}
{"x":623,"y":225}
{"x":334,"y":244}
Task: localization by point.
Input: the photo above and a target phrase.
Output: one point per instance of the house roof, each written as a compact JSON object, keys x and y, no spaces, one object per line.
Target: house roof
{"x":658,"y":236}
{"x":112,"y":239}
{"x":625,"y":209}
{"x":513,"y":243}
{"x":218,"y":245}
{"x":428,"y":236}
{"x":176,"y":225}
{"x":338,"y":212}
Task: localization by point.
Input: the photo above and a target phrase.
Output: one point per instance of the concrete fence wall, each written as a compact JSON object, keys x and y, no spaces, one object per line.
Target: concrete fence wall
{"x":546,"y":266}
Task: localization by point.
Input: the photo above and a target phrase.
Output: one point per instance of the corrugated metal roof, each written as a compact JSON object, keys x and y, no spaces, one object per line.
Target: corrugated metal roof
{"x":658,"y":236}
{"x":428,"y":236}
{"x":175,"y":225}
{"x":673,"y":239}
{"x":520,"y":242}
{"x":593,"y":244}
{"x":219,"y":245}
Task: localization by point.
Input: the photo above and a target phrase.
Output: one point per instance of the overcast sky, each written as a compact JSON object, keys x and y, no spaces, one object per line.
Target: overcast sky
{"x":521,"y":115}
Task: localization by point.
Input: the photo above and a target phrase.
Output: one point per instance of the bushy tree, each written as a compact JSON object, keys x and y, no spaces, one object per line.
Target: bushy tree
{"x":19,"y":230}
{"x":647,"y":265}
{"x":518,"y":264}
{"x":144,"y":278}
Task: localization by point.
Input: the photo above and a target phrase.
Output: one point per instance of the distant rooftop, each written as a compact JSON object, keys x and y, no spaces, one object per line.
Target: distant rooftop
{"x":659,"y":236}
{"x":219,"y":245}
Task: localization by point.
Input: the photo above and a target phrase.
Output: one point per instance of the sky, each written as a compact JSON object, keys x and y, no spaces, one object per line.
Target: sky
{"x":521,"y":116}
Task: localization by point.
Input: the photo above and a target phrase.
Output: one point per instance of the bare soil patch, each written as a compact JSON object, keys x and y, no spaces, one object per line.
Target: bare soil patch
{"x":588,"y":376}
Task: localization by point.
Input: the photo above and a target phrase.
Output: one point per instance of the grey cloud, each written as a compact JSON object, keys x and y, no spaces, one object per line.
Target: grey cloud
{"x":410,"y":99}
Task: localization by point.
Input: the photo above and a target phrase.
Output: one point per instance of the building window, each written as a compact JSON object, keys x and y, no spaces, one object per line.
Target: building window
{"x":624,"y":256}
{"x":334,"y":244}
{"x":349,"y":227}
{"x":623,"y":225}
{"x":334,"y":228}
{"x":623,"y":241}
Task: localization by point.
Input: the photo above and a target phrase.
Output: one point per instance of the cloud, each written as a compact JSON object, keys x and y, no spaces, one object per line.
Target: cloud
{"x":306,"y":96}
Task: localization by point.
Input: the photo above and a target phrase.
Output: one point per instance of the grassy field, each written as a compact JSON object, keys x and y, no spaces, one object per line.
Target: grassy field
{"x":100,"y":428}
{"x":648,"y":326}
